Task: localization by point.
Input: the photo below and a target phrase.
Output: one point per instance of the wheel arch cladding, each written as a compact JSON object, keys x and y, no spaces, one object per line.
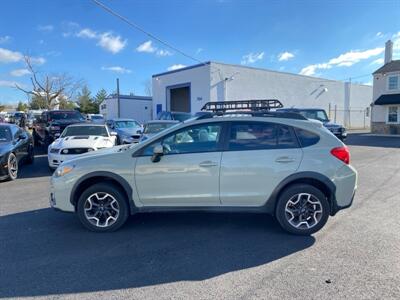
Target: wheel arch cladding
{"x":89,"y":179}
{"x":320,"y":181}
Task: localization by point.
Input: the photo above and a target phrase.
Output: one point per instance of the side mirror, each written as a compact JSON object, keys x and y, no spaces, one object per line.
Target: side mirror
{"x":22,"y":136}
{"x":158,"y":151}
{"x":113,"y":133}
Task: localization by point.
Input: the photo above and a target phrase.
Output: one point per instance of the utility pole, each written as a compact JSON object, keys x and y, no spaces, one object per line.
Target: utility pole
{"x":118,"y":102}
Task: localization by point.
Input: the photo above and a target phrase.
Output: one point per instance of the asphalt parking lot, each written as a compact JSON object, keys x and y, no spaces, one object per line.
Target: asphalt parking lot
{"x":48,"y":254}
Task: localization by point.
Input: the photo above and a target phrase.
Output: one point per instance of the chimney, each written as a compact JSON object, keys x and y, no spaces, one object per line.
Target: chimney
{"x":388,"y":51}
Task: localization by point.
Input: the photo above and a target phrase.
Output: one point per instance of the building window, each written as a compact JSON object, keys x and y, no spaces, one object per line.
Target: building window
{"x":393,"y":114}
{"x":393,"y":82}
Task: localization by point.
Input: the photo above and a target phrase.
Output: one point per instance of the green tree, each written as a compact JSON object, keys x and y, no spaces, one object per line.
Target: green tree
{"x":85,"y":100}
{"x":67,"y":104}
{"x":2,"y":107}
{"x":100,"y":96}
{"x":22,"y":106}
{"x":38,"y":102}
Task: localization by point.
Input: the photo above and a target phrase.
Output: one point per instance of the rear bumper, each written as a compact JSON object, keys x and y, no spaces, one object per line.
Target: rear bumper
{"x":345,"y":181}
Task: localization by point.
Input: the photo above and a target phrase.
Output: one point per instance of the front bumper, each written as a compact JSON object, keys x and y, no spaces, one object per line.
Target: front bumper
{"x":60,"y":189}
{"x":56,"y":159}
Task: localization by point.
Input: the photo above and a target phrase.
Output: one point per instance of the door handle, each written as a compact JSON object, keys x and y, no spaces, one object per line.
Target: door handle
{"x":208,"y":163}
{"x":285,"y":159}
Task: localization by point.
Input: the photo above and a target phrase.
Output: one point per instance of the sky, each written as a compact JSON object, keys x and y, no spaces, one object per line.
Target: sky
{"x":328,"y":39}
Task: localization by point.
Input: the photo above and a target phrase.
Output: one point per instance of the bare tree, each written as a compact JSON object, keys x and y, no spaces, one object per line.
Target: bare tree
{"x":148,"y":87}
{"x":51,"y":87}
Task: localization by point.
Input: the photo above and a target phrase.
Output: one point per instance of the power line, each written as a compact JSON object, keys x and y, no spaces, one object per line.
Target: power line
{"x":149,"y":34}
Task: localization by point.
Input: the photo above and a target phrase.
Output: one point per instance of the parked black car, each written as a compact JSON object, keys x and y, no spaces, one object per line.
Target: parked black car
{"x":174,"y":115}
{"x":51,"y":124}
{"x":320,"y":114}
{"x":16,"y":146}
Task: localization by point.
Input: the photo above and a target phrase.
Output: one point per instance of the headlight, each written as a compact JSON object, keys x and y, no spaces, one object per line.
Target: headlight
{"x":54,"y":150}
{"x":55,"y":127}
{"x":63,"y":169}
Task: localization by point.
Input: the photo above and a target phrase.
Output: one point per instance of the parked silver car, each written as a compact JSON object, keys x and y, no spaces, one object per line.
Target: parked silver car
{"x":128,"y":131}
{"x":280,"y":163}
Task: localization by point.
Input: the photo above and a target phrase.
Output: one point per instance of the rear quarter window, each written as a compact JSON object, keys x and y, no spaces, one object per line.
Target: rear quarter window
{"x":306,"y":138}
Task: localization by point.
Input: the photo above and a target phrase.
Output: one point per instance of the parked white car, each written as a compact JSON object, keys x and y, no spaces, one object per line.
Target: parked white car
{"x":78,"y":139}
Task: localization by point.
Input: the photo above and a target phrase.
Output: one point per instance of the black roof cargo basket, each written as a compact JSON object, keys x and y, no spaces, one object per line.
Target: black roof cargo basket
{"x":242,"y":105}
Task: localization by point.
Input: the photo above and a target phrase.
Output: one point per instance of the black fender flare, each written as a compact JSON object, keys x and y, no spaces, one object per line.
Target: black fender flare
{"x":107,"y":175}
{"x":330,"y":186}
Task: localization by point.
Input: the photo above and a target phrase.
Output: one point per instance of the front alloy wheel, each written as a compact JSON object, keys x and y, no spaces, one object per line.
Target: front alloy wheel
{"x":12,"y":166}
{"x":102,"y":207}
{"x":303,"y":211}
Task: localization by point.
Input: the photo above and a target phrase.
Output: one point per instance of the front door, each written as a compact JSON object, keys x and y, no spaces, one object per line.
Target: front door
{"x":188,"y":172}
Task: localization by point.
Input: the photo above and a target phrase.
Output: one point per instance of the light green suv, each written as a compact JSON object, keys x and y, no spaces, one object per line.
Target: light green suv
{"x":279,"y":163}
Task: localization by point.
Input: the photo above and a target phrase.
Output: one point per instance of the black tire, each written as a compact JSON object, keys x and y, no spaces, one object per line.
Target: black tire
{"x":36,"y":142}
{"x":31,"y":155}
{"x":118,"y":141}
{"x":11,"y":174}
{"x":102,"y":188}
{"x":291,"y":192}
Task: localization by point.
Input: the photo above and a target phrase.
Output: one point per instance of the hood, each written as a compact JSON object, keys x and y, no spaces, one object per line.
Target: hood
{"x":128,"y":131}
{"x":91,"y":141}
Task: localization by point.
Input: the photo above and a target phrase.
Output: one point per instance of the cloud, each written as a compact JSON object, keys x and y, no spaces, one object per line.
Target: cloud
{"x":163,"y":53}
{"x":176,"y":67}
{"x":199,"y":50}
{"x":344,"y":60}
{"x":378,"y":61}
{"x":147,"y":47}
{"x":8,"y":56}
{"x":19,"y":72}
{"x":45,"y":28}
{"x":8,"y":83}
{"x":87,"y":33}
{"x":107,"y":40}
{"x":284,"y":56}
{"x":379,"y":34}
{"x":117,"y":69}
{"x":252,"y":58}
{"x":4,"y":39}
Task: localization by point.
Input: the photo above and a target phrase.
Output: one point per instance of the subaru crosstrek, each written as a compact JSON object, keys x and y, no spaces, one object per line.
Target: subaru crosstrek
{"x":291,"y":168}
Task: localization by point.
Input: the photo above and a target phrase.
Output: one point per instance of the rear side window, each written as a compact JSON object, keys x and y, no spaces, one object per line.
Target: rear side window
{"x":258,"y":136}
{"x":306,"y":137}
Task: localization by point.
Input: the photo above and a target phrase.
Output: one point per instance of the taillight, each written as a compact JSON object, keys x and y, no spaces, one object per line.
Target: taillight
{"x":342,"y":153}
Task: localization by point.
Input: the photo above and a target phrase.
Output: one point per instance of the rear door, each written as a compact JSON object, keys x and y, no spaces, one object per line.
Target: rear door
{"x":259,"y":156}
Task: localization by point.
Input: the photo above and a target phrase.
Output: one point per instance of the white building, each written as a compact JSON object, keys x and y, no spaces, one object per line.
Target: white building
{"x":130,"y":107}
{"x":386,"y":98}
{"x":188,"y":89}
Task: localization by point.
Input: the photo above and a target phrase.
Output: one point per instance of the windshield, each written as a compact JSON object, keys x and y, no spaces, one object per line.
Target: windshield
{"x":18,"y":115}
{"x":5,"y":134}
{"x":319,"y":115}
{"x":156,"y":127}
{"x":181,"y":116}
{"x":85,"y":130}
{"x":97,"y":117}
{"x":126,"y":124}
{"x":65,"y":115}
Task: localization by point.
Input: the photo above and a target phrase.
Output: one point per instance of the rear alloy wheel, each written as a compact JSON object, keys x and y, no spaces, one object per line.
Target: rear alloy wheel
{"x":302,"y":209}
{"x":12,"y":166}
{"x":102,"y":207}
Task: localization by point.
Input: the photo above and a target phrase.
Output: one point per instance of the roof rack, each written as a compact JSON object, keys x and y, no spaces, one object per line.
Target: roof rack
{"x":265,"y":114}
{"x":242,"y":105}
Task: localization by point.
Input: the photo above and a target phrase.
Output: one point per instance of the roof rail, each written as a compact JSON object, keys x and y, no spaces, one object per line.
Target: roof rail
{"x":242,"y":105}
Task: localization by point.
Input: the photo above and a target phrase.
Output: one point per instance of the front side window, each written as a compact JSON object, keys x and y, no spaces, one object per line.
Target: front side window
{"x":319,"y":115}
{"x":393,"y":114}
{"x":5,"y":134}
{"x":193,"y":139}
{"x":393,"y":82}
{"x":258,"y":136}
